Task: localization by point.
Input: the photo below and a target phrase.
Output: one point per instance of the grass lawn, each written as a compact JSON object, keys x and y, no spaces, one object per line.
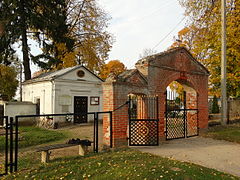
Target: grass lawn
{"x":121,"y":164}
{"x":228,"y":132}
{"x":31,"y":136}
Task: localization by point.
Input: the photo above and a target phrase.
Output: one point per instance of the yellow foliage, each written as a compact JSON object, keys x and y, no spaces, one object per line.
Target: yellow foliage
{"x":114,"y":66}
{"x":205,"y":35}
{"x":68,"y":58}
{"x":175,"y":86}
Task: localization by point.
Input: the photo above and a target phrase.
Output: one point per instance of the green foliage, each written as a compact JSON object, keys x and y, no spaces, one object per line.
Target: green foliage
{"x":44,"y":21}
{"x":203,"y":38}
{"x":67,"y":31}
{"x":215,"y":106}
{"x":8,"y":81}
{"x":122,"y":164}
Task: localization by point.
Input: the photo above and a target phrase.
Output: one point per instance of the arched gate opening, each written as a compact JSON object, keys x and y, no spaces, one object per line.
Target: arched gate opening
{"x":181,"y":112}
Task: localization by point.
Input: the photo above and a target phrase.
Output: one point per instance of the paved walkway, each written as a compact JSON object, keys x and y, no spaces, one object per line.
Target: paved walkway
{"x":221,"y":155}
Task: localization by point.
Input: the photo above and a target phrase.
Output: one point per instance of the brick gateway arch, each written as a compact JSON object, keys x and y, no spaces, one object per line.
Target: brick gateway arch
{"x":151,"y":77}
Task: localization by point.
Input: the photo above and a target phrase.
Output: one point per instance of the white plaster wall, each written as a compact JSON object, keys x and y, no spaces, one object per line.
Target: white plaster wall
{"x":76,"y":88}
{"x":42,"y":91}
{"x":12,"y":109}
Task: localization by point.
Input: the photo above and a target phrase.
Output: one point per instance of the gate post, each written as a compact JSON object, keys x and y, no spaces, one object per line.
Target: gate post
{"x":6,"y":145}
{"x":115,"y":128}
{"x":115,"y":96}
{"x":161,"y":114}
{"x":16,"y":143}
{"x":11,"y":144}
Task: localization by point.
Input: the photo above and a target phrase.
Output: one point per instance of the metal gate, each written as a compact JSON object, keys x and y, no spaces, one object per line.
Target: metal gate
{"x":8,"y":151}
{"x":143,"y":121}
{"x":181,"y":116}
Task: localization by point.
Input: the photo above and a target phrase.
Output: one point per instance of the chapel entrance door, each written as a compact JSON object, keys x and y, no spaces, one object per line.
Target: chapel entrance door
{"x":80,"y":109}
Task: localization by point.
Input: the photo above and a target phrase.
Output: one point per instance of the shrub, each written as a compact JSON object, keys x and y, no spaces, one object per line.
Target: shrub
{"x":215,"y":107}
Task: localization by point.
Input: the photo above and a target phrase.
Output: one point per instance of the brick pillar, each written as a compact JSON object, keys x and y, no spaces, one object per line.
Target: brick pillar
{"x":113,"y":97}
{"x":161,"y":114}
{"x":203,"y":109}
{"x":107,"y":106}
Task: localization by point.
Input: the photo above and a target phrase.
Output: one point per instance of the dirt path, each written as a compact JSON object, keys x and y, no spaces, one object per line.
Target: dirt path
{"x":221,"y":155}
{"x":81,"y":131}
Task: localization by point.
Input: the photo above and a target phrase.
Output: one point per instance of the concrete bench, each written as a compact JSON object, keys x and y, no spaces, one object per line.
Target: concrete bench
{"x":45,"y":151}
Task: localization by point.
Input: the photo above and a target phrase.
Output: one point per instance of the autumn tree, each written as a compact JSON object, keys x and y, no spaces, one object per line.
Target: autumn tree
{"x":205,"y":24}
{"x":185,"y":38}
{"x":114,"y":66}
{"x":88,"y":23}
{"x":177,"y":87}
{"x":8,"y":81}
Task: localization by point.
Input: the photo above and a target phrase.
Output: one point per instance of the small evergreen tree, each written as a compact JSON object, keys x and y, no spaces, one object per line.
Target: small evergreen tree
{"x":215,"y":107}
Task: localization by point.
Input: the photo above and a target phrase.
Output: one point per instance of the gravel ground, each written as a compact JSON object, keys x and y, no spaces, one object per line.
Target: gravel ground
{"x":217,"y":154}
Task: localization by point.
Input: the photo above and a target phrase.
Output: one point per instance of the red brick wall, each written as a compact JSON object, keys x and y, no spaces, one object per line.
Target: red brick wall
{"x":115,"y":95}
{"x":176,"y":66}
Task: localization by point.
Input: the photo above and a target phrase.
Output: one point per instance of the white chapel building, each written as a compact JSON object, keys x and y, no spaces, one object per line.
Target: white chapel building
{"x":71,"y":90}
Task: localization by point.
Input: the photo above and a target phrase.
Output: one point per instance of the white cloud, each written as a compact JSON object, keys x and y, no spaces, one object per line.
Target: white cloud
{"x":140,"y":24}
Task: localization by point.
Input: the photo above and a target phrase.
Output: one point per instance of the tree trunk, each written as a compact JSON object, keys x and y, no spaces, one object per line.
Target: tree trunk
{"x":26,"y":60}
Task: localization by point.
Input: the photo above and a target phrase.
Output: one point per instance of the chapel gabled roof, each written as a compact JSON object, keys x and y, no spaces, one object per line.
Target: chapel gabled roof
{"x":51,"y":75}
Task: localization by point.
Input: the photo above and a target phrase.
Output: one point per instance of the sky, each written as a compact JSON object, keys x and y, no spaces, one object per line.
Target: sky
{"x":137,"y":25}
{"x":142,"y":24}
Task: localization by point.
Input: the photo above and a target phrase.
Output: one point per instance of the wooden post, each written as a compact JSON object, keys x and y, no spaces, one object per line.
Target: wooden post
{"x":223,"y":67}
{"x":82,"y":150}
{"x":45,"y":156}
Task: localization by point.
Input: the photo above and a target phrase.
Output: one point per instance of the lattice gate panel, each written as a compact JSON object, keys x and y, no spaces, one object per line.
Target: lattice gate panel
{"x":143,"y":132}
{"x":175,"y":125}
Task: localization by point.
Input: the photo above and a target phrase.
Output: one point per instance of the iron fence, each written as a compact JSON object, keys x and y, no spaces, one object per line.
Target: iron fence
{"x":49,"y":122}
{"x":8,"y":150}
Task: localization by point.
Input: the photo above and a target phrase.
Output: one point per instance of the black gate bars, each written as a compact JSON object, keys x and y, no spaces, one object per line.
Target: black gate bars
{"x":8,"y":130}
{"x":180,"y":121}
{"x":143,"y":121}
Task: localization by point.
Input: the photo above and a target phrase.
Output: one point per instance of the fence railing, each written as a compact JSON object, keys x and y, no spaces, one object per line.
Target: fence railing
{"x":11,"y":127}
{"x":8,"y":130}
